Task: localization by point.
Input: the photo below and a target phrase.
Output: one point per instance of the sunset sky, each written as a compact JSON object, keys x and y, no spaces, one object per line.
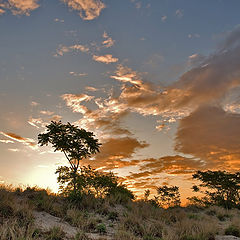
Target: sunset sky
{"x":157,"y":81}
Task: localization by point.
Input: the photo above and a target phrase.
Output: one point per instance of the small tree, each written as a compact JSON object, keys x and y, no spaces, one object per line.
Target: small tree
{"x":88,"y":181}
{"x":146,"y":195}
{"x":75,"y":143}
{"x":168,"y":196}
{"x":92,"y":182}
{"x":220,"y":187}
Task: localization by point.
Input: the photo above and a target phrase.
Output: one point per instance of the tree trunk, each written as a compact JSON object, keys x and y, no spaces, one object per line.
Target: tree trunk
{"x":75,"y":181}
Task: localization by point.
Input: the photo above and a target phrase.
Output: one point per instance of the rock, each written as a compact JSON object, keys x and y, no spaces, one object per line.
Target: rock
{"x":226,"y":237}
{"x":46,"y":221}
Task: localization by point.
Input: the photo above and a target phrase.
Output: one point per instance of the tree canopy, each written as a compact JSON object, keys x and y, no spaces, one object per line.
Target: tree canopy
{"x":91,"y":182}
{"x":220,"y":187}
{"x":168,"y":196}
{"x":75,"y":143}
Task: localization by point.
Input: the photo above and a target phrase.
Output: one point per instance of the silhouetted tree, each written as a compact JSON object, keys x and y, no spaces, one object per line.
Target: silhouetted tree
{"x":146,"y":195}
{"x":91,"y":182}
{"x":75,"y":143}
{"x":220,"y":187}
{"x":168,"y":196}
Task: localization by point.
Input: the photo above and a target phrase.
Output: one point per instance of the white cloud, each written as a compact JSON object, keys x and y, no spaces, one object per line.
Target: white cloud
{"x":194,"y":35}
{"x":34,"y":104}
{"x":78,"y":74}
{"x":164,"y":18}
{"x":46,"y":112}
{"x":6,"y":141}
{"x":13,"y":149}
{"x":74,"y":101}
{"x":59,"y":20}
{"x":66,"y":49}
{"x":36,"y":122}
{"x":179,"y":13}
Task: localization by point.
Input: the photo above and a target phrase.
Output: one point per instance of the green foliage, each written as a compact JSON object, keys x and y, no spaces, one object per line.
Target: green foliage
{"x":120,"y":194}
{"x":101,"y":228}
{"x":223,"y":188}
{"x":113,"y":216}
{"x":233,"y":230}
{"x":168,"y":196}
{"x":90,"y":182}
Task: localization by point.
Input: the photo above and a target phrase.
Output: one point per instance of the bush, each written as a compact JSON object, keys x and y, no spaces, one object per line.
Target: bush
{"x":233,"y":230}
{"x":223,"y":217}
{"x":6,"y":210}
{"x":101,"y":228}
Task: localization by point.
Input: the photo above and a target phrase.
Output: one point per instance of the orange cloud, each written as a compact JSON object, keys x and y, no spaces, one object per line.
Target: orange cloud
{"x":46,"y":112}
{"x":214,"y":78}
{"x":108,"y":58}
{"x":66,"y":49}
{"x":211,"y":134}
{"x":108,"y":41}
{"x":1,"y":11}
{"x":91,"y":89}
{"x":88,"y":9}
{"x":26,"y":141}
{"x":36,"y":122}
{"x":74,"y":101}
{"x":19,"y":7}
{"x":116,"y":153}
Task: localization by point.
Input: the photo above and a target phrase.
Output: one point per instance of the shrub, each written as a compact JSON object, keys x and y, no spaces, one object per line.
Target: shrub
{"x":6,"y":210}
{"x":222,"y":188}
{"x":232,"y":230}
{"x":101,"y":228}
{"x":223,"y":217}
{"x":168,"y":196}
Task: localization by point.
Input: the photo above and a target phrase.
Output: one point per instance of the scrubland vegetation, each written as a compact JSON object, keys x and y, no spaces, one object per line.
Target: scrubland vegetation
{"x":108,"y":215}
{"x":95,"y":205}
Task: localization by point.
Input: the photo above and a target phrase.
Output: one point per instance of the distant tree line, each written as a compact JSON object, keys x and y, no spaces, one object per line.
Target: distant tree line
{"x":217,"y":187}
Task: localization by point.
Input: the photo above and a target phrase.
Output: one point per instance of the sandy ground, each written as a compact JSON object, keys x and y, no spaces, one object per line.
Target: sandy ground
{"x":46,"y":221}
{"x":227,"y":238}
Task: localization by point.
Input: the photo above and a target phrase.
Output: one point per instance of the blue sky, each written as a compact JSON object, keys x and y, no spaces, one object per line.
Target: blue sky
{"x":147,"y":76}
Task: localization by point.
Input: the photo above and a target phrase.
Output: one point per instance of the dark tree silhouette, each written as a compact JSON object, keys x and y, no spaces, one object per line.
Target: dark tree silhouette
{"x":168,"y":196}
{"x":91,"y":182}
{"x":75,"y":143}
{"x":220,"y":187}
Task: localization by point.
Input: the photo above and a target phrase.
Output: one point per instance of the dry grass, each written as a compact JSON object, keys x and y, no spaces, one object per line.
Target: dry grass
{"x":130,"y":221}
